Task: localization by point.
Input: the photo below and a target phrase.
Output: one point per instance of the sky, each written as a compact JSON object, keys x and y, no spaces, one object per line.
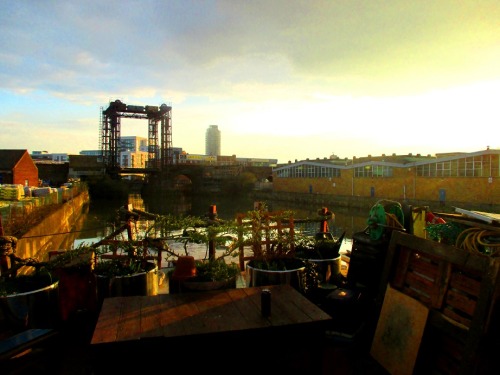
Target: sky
{"x":282,"y":79}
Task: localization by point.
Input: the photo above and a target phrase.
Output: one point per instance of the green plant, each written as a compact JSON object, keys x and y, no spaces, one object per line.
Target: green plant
{"x":270,"y":235}
{"x":119,"y":267}
{"x":39,"y":279}
{"x":121,"y":258}
{"x":446,"y":232}
{"x":218,"y":235}
{"x":319,"y":247}
{"x":215,"y":270}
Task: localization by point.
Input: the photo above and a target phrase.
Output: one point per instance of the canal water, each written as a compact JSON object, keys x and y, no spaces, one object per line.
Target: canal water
{"x":100,"y":220}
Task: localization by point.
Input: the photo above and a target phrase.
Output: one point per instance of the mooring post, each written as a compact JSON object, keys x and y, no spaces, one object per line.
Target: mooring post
{"x":323,"y":226}
{"x":212,"y":216}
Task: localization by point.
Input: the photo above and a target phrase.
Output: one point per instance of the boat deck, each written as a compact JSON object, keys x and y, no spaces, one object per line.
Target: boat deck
{"x":68,"y":351}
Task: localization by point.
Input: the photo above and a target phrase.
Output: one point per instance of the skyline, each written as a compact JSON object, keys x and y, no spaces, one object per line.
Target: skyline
{"x":286,"y":80}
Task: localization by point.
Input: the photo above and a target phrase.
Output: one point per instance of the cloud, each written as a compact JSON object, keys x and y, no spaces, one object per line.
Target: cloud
{"x":295,"y":68}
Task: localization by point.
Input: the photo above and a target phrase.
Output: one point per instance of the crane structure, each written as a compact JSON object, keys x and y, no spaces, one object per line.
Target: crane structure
{"x":160,"y":153}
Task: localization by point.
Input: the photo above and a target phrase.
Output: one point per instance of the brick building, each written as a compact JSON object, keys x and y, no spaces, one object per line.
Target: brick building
{"x":457,"y":177}
{"x":17,"y":167}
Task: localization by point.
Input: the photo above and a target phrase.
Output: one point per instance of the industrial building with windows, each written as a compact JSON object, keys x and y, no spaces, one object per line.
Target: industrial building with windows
{"x":459,"y":177}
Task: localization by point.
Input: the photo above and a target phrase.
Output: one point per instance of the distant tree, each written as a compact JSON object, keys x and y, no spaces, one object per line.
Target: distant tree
{"x":242,"y":183}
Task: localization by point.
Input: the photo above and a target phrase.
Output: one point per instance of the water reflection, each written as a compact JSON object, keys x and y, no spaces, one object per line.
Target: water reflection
{"x":100,"y":219}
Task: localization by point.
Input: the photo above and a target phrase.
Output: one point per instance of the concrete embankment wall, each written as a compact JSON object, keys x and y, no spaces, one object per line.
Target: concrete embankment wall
{"x":365,"y":203}
{"x":54,"y":232}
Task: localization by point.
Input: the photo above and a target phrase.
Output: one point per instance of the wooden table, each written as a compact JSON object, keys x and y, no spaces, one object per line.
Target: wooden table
{"x":197,"y":328}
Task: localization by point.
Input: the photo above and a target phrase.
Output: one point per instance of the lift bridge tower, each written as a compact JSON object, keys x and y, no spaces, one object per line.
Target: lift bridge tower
{"x":159,"y":147}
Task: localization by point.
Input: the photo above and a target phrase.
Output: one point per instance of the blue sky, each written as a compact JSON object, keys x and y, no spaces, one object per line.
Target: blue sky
{"x":281,"y":78}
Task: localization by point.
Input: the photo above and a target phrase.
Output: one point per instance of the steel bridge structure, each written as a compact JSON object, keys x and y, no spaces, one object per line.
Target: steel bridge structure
{"x":160,"y":154}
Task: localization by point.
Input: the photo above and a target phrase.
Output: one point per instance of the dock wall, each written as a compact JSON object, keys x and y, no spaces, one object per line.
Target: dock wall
{"x":55,"y":231}
{"x":365,"y":203}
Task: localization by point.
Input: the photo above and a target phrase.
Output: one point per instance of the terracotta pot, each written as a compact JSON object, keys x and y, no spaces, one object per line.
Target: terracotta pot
{"x":185,"y":268}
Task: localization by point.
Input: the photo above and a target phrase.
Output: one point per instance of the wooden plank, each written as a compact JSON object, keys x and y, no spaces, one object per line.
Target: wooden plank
{"x":216,"y":313}
{"x":441,"y":284}
{"x":424,"y":266}
{"x":466,"y":283}
{"x":461,"y":302}
{"x":281,"y":313}
{"x":176,"y":314}
{"x":106,"y":329}
{"x":440,"y":251}
{"x":150,"y":316}
{"x":449,"y":312}
{"x":247,"y":301}
{"x":129,"y":327}
{"x":400,"y":271}
{"x":486,"y":217}
{"x":486,"y":304}
{"x":421,"y":284}
{"x":419,"y":295}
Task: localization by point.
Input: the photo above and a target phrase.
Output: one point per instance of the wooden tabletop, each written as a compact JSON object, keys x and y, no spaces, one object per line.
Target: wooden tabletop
{"x":125,"y":319}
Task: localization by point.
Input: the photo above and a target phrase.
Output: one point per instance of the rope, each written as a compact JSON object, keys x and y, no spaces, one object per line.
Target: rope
{"x":474,"y":241}
{"x":392,"y":221}
{"x":60,"y":233}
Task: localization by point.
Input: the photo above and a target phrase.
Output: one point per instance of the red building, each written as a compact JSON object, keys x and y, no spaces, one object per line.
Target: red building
{"x":17,"y":167}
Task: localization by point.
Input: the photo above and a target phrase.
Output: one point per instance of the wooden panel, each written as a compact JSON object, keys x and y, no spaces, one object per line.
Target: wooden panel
{"x":462,"y":281}
{"x":461,"y":302}
{"x":399,"y":332}
{"x":456,"y":316}
{"x":424,"y":266}
{"x":418,"y":282}
{"x":462,"y":288}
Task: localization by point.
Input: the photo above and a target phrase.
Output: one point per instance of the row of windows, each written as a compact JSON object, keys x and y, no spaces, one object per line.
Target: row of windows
{"x":476,"y":166}
{"x":311,"y":171}
{"x":373,"y":171}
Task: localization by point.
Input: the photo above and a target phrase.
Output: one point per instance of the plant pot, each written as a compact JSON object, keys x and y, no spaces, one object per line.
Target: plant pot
{"x":328,"y":269}
{"x":293,"y":275}
{"x":185,"y":269}
{"x":201,"y":286}
{"x":137,"y":284}
{"x":35,"y":308}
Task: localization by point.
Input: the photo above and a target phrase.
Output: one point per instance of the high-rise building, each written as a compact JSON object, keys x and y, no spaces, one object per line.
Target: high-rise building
{"x":133,"y":143}
{"x":212,"y":141}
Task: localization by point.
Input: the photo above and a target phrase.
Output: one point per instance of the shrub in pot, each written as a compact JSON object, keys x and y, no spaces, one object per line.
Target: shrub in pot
{"x":271,"y":238}
{"x":28,"y":290}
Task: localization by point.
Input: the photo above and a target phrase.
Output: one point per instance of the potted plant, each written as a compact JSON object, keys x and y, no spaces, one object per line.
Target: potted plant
{"x":28,"y":289}
{"x":271,"y":239}
{"x":217,"y":270}
{"x":212,"y":274}
{"x":125,"y":268}
{"x":322,"y":250}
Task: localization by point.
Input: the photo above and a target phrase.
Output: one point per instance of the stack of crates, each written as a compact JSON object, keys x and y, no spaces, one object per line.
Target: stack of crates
{"x":9,"y":192}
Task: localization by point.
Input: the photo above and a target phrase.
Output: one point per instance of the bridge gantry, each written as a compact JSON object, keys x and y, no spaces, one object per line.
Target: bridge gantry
{"x":160,"y":153}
